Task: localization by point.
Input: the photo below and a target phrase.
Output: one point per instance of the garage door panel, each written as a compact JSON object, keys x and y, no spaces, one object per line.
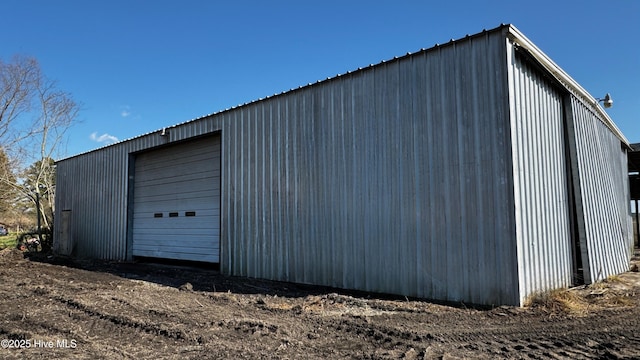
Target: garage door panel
{"x":172,"y":200}
{"x":161,"y":157}
{"x":212,"y":257}
{"x":200,"y":208}
{"x":175,"y":201}
{"x":153,"y":165}
{"x":179,"y":174}
{"x":169,"y":153}
{"x":165,"y":194}
{"x":173,"y":174}
{"x":161,"y":167}
{"x":193,"y":234}
{"x":178,"y":180}
{"x":168,"y":189}
{"x":175,"y":226}
{"x":205,"y":197}
{"x":181,"y":243}
{"x":199,"y":251}
{"x":169,"y":184}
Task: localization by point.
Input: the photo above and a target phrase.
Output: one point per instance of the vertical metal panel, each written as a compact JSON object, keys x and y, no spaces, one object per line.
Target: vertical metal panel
{"x":90,"y":187}
{"x":440,"y":175}
{"x":604,"y":192}
{"x":395,"y":178}
{"x":402,"y":177}
{"x":94,"y":187}
{"x":540,"y":180}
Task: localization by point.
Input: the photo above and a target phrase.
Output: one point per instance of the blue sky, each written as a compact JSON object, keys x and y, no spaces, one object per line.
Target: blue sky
{"x":137,"y":66}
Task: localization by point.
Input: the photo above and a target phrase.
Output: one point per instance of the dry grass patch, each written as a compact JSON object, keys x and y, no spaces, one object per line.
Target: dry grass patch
{"x":606,"y":283}
{"x":613,"y":279}
{"x":612,"y":292}
{"x":559,"y":301}
{"x":620,"y":300}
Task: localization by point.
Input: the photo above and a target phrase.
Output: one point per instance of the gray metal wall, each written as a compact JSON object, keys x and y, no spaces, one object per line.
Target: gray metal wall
{"x":394,"y":179}
{"x":540,"y":179}
{"x":417,"y":176}
{"x":94,"y":186}
{"x":604,"y":195}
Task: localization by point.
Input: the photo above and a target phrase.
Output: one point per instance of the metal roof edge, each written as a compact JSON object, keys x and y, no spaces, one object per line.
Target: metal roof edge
{"x":520,"y":39}
{"x":512,"y":32}
{"x":330,"y":78}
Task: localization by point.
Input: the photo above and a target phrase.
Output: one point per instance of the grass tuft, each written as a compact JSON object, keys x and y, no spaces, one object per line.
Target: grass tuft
{"x":621,"y":301}
{"x":8,"y":241}
{"x":613,"y":279}
{"x":559,"y":301}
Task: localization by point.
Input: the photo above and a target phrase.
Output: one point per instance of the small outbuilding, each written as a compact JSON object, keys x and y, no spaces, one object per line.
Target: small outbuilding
{"x":474,"y":171}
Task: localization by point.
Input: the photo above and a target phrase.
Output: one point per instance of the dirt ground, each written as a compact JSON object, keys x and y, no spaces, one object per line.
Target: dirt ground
{"x":55,"y":308}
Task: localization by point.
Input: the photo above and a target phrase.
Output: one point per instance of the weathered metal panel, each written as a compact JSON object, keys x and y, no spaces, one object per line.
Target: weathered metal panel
{"x":540,"y":179}
{"x":91,"y":188}
{"x":431,"y":175}
{"x":553,"y":70}
{"x":602,"y":164}
{"x":395,"y":178}
{"x":94,"y":188}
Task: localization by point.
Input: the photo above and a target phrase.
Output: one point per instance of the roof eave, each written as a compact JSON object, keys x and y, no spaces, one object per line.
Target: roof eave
{"x":517,"y":37}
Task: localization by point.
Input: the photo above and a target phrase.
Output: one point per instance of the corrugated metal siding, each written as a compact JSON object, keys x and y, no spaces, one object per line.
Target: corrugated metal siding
{"x":540,"y":180}
{"x":602,"y":164}
{"x":395,"y":179}
{"x":94,"y":187}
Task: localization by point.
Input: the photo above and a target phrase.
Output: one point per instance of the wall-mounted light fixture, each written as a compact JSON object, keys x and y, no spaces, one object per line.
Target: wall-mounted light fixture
{"x":607,"y":101}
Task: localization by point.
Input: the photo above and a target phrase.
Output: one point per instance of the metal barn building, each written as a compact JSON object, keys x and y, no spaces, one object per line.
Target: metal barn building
{"x":474,"y":171}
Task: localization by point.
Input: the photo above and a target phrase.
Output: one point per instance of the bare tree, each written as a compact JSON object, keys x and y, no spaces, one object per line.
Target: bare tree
{"x":19,"y":80}
{"x":8,"y":195}
{"x":34,"y":117}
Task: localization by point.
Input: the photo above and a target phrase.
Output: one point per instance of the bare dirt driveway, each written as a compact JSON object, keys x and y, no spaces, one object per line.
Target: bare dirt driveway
{"x":61,"y":309}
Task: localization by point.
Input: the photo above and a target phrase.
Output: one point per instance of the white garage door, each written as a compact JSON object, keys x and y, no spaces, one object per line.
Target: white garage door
{"x":176,"y":211}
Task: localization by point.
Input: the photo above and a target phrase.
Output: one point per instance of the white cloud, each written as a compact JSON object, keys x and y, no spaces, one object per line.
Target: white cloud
{"x":126,"y":111}
{"x":104,"y":138}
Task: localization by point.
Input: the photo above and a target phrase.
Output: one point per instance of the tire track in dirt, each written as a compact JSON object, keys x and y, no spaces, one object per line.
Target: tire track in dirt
{"x":502,"y":335}
{"x":11,"y":335}
{"x":114,"y":317}
{"x":123,"y":321}
{"x":118,"y":321}
{"x":568,"y":341}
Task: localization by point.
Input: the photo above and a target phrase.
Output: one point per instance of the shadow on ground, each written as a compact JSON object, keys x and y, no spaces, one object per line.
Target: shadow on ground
{"x":205,"y":277}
